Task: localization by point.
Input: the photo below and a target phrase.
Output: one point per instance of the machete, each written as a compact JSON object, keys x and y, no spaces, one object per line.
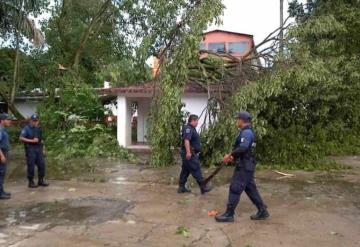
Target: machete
{"x":212,"y":175}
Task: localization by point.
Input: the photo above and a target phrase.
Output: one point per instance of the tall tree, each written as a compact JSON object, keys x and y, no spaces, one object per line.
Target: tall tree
{"x":15,"y":22}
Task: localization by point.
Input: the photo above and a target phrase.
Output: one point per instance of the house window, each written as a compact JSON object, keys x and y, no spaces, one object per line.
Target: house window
{"x":238,"y":47}
{"x":202,"y":46}
{"x":216,"y":47}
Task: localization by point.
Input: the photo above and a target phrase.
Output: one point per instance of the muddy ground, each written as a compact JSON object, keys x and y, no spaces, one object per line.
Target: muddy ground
{"x":132,"y":205}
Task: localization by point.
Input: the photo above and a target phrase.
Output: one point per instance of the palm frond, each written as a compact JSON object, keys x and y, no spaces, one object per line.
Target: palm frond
{"x":14,"y":18}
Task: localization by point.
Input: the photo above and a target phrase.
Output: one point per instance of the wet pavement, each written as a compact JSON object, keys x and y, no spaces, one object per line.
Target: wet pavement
{"x":132,"y":205}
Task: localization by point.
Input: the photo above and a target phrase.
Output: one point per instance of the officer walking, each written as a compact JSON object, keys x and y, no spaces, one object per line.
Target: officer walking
{"x":31,"y":136}
{"x":5,"y":121}
{"x":190,"y":156}
{"x":243,"y":177}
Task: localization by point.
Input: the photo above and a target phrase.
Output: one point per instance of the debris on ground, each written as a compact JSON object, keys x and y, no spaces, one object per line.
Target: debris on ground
{"x":185,"y":201}
{"x":284,"y":175}
{"x":213,"y":213}
{"x":184,"y":231}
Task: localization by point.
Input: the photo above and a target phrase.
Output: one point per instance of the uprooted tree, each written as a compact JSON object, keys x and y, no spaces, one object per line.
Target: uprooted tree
{"x":307,"y":107}
{"x":304,"y":99}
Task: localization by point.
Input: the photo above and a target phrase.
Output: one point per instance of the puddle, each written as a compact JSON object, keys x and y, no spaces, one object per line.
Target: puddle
{"x":75,"y":211}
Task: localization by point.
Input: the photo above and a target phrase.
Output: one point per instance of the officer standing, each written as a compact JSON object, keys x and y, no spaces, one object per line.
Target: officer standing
{"x":5,"y":121}
{"x":31,"y":136}
{"x":243,"y":177}
{"x":190,"y":150}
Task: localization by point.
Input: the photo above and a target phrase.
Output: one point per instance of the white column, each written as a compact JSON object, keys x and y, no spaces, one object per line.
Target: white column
{"x":122,"y":121}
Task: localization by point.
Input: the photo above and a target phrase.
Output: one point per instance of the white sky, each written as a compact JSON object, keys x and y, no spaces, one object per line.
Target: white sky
{"x":256,"y":17}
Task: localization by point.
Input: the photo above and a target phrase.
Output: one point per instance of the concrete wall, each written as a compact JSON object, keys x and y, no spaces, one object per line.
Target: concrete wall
{"x":123,"y":121}
{"x":195,"y":105}
{"x":142,"y":119}
{"x":27,"y":108}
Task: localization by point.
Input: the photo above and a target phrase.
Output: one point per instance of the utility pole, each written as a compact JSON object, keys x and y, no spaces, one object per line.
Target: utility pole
{"x":281,"y":26}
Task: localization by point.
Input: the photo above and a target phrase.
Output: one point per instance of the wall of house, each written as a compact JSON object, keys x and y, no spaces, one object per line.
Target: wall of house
{"x":142,"y":119}
{"x":195,"y":104}
{"x":27,"y":108}
{"x":224,"y":37}
{"x":123,"y":121}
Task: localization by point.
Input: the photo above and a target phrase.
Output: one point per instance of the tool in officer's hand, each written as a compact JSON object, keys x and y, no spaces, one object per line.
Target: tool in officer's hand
{"x":213,"y":174}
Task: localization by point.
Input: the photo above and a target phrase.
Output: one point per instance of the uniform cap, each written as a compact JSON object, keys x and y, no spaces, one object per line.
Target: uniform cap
{"x":244,"y":115}
{"x":5,"y":116}
{"x":34,"y":117}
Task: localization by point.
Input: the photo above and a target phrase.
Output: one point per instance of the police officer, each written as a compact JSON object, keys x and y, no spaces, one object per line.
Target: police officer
{"x":243,"y":177}
{"x":5,"y":121}
{"x":31,"y":136}
{"x":190,"y":156}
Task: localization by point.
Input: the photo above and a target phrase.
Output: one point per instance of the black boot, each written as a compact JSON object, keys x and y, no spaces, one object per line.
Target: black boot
{"x":228,"y":216}
{"x":182,"y":189}
{"x":32,"y":184}
{"x":262,"y":214}
{"x":42,"y":183}
{"x":7,"y":193}
{"x":4,"y":196}
{"x":204,"y":188}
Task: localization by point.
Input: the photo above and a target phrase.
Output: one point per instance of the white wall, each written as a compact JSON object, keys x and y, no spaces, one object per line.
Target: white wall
{"x":142,"y":119}
{"x":195,"y":105}
{"x":26,"y":108}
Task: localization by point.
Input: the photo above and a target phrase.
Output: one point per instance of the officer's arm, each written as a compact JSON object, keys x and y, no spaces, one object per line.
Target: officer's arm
{"x":187,"y":137}
{"x":23,"y":138}
{"x":2,"y":156}
{"x":244,"y":144}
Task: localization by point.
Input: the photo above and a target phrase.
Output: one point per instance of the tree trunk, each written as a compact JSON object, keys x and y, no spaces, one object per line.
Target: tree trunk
{"x":87,"y":34}
{"x":16,"y":69}
{"x":11,"y":106}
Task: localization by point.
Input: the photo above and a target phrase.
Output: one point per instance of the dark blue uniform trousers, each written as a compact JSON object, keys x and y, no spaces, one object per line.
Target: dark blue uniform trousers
{"x":34,"y":156}
{"x":2,"y":176}
{"x":192,"y":167}
{"x":3,"y":173}
{"x":243,"y":180}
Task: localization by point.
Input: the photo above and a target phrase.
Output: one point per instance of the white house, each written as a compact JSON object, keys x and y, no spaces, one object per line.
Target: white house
{"x":139,"y":97}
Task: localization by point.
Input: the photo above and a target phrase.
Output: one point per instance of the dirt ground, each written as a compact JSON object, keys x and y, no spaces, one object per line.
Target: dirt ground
{"x":137,"y":206}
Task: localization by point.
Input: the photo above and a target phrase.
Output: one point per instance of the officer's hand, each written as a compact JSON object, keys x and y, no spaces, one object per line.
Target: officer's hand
{"x":3,"y":159}
{"x":36,"y":140}
{"x":188,"y":156}
{"x":228,"y":158}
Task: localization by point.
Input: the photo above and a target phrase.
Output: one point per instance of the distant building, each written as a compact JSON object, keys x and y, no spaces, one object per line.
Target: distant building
{"x":220,"y":41}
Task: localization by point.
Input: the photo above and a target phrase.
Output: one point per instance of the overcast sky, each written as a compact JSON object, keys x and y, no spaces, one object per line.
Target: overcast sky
{"x":256,"y":17}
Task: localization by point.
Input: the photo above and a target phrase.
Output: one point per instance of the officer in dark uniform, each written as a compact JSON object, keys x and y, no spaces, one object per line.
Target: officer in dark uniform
{"x":243,"y":177}
{"x":190,"y":156}
{"x":5,"y":121}
{"x":31,"y":136}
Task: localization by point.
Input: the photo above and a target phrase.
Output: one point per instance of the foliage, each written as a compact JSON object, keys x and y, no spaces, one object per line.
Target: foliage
{"x":123,"y":73}
{"x":90,"y":31}
{"x":91,"y":141}
{"x":73,"y":121}
{"x":184,"y":231}
{"x":27,"y":80}
{"x":183,"y":42}
{"x":14,"y":18}
{"x":307,"y":107}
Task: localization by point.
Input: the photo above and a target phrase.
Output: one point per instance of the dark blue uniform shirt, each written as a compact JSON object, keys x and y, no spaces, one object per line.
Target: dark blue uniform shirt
{"x":4,"y":140}
{"x":190,"y":133}
{"x":30,"y":132}
{"x":243,"y":148}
